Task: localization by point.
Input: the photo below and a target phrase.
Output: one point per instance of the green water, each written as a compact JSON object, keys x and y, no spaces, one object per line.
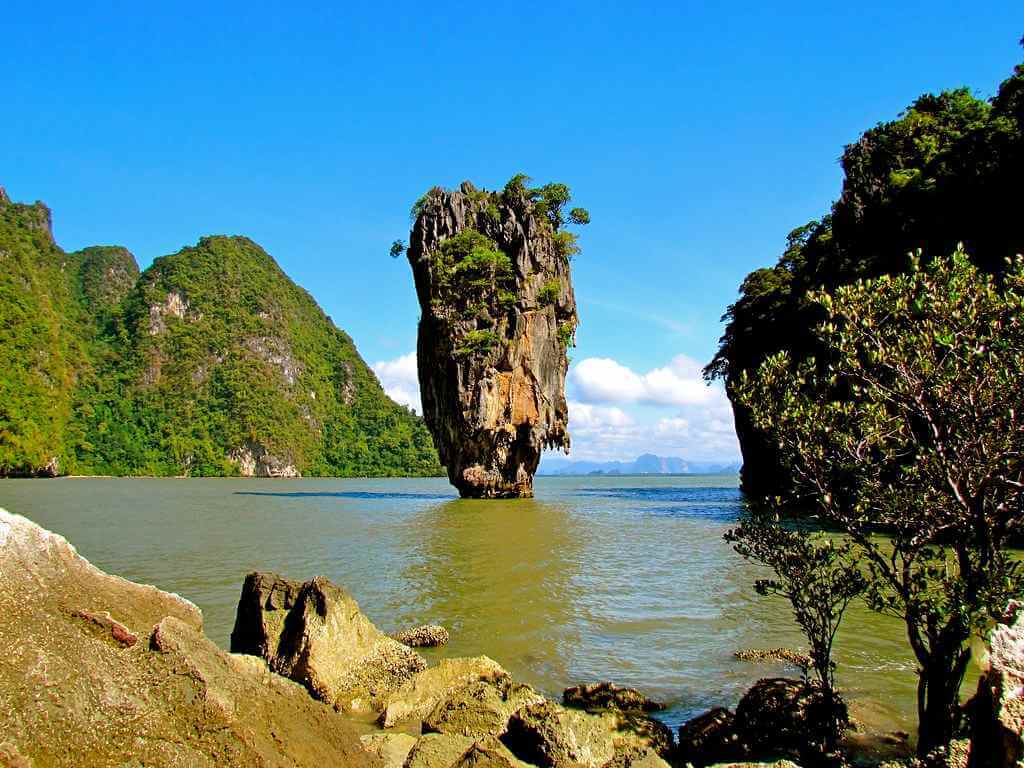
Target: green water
{"x":615,"y":578}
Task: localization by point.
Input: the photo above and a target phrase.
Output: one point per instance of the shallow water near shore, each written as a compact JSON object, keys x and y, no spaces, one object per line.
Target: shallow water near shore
{"x":598,"y":578}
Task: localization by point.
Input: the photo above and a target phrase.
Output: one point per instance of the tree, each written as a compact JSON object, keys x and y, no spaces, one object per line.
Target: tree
{"x":579,"y":216}
{"x":397,"y":249}
{"x":819,"y":576}
{"x":912,"y":425}
{"x":548,"y":201}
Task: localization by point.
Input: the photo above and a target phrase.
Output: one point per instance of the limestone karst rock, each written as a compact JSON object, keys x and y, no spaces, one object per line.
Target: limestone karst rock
{"x":100,"y":671}
{"x":314,"y":633}
{"x":498,"y":315}
{"x":418,"y":697}
{"x":997,"y":722}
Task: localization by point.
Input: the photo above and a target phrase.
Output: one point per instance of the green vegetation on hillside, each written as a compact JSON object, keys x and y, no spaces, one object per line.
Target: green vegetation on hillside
{"x":474,"y":282}
{"x":211,"y":354}
{"x":42,"y":349}
{"x":944,"y":172}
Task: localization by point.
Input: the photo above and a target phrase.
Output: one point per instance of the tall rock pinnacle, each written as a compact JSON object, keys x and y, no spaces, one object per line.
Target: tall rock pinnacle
{"x":498,"y":316}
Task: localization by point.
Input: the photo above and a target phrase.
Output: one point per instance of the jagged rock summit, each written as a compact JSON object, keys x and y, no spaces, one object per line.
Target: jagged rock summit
{"x":498,"y":316}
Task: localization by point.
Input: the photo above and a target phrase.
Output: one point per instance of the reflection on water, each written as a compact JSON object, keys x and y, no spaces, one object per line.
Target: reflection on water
{"x":616,"y":578}
{"x":501,"y":575}
{"x":345,"y":494}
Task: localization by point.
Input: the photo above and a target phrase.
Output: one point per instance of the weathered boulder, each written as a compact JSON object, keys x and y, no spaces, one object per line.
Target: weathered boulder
{"x":551,"y":736}
{"x":438,"y":750}
{"x":637,"y":732}
{"x":635,"y":757}
{"x":480,"y":708}
{"x":997,"y":710}
{"x":601,"y":696}
{"x":75,"y":691}
{"x":418,"y":696}
{"x":391,"y":748}
{"x":785,"y":716}
{"x":315,"y":634}
{"x":259,"y":619}
{"x":709,"y":738}
{"x":497,"y":317}
{"x":441,"y":750}
{"x":427,"y":636}
{"x":489,"y":753}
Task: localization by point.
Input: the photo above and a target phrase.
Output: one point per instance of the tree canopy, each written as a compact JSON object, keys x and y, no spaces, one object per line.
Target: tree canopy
{"x":912,"y":425}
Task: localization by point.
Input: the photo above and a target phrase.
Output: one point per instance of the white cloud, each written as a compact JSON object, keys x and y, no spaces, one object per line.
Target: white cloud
{"x":601,"y":432}
{"x":683,"y":416}
{"x":400,"y":380}
{"x":699,"y":425}
{"x":585,"y":416}
{"x":603,"y":380}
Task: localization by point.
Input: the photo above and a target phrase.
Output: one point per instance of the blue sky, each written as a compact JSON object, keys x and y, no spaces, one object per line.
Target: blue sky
{"x":697,"y":136}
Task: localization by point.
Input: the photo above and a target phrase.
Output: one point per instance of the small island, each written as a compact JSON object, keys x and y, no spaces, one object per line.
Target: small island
{"x":498,"y":317}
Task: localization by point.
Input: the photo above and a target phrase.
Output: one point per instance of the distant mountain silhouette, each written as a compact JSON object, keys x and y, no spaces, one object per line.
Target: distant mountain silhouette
{"x":647,"y":464}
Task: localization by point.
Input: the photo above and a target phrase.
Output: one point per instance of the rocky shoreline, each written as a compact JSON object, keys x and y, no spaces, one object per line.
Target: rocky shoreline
{"x":96,"y":670}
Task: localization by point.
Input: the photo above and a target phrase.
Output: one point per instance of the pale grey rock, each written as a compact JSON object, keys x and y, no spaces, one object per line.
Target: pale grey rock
{"x":253,"y":460}
{"x":552,"y":736}
{"x":481,"y":708}
{"x":418,"y":696}
{"x":997,"y":738}
{"x":391,"y":748}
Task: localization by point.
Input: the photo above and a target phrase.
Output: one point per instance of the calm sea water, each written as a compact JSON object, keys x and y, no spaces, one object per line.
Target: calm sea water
{"x":598,"y":578}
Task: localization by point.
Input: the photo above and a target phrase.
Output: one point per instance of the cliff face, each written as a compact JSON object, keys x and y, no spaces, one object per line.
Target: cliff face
{"x":944,"y":172}
{"x":498,"y":315}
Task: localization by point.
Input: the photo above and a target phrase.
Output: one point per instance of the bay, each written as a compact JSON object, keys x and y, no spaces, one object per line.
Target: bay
{"x":597,"y":578}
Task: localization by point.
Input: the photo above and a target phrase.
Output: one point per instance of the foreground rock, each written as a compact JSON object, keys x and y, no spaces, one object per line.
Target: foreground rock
{"x":391,"y":748}
{"x":443,"y":750}
{"x":603,"y":696}
{"x":783,"y":716}
{"x":997,"y":739}
{"x":482,"y":708}
{"x":314,"y":633}
{"x":497,"y":317}
{"x":427,"y":636}
{"x":419,"y":695}
{"x":76,"y":691}
{"x":552,"y":736}
{"x":710,"y":738}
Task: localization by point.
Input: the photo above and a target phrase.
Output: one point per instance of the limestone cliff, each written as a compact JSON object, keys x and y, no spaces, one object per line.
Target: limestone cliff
{"x":498,"y":315}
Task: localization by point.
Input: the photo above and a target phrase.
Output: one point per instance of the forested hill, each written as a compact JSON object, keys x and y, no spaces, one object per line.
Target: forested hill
{"x":210,"y":362}
{"x":947,"y":170}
